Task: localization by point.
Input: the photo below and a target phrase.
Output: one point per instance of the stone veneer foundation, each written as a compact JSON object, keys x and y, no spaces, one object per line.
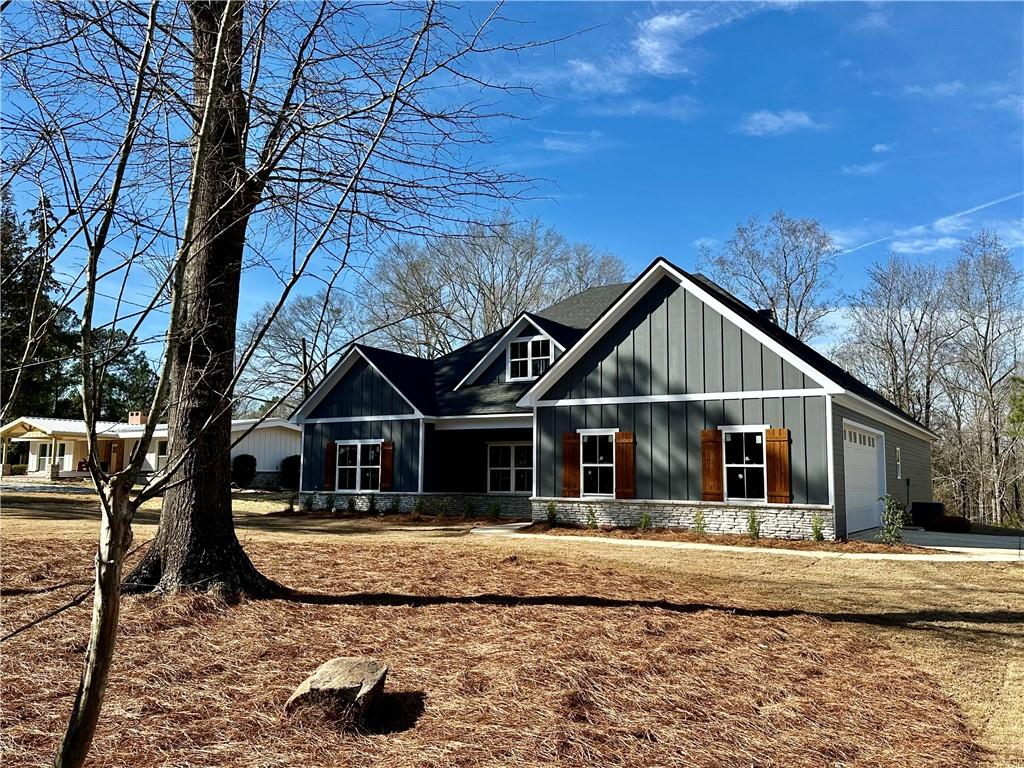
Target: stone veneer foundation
{"x":789,"y":521}
{"x":445,"y":504}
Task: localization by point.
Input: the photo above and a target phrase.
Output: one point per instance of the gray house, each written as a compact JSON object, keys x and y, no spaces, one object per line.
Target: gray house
{"x":666,"y":395}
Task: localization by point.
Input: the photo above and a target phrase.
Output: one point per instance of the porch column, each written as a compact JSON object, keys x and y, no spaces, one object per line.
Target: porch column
{"x":54,"y":467}
{"x":5,"y":468}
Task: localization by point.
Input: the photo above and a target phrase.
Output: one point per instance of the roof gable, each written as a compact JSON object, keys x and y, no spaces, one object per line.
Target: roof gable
{"x":516,"y":330}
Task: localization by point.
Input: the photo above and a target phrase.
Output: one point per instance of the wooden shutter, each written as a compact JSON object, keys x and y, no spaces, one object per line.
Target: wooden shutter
{"x":776,"y":459}
{"x":330,"y":466}
{"x":711,"y":476}
{"x":571,"y":464}
{"x":387,"y":465}
{"x":625,"y":465}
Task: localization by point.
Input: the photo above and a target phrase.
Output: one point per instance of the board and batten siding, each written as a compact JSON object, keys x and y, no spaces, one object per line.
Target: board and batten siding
{"x":668,"y":451}
{"x":671,"y":343}
{"x":361,"y":392}
{"x":269,"y":445}
{"x":915,"y":455}
{"x":404,"y":433}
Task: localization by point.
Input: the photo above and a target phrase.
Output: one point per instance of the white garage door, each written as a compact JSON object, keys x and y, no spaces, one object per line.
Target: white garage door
{"x":863,"y":473}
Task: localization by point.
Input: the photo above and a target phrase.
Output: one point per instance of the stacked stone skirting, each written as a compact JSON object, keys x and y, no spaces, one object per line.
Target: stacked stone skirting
{"x":443,"y":504}
{"x":789,"y":521}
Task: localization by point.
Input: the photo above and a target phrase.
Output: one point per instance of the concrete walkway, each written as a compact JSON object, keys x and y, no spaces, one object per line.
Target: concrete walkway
{"x":951,"y":555}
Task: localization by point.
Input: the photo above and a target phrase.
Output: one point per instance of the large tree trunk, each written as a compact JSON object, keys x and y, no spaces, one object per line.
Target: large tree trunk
{"x":196,"y":547}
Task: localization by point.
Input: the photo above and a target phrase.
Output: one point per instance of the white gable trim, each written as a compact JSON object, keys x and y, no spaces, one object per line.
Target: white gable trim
{"x":860,"y":405}
{"x":501,"y":344}
{"x":337,"y":373}
{"x":628,"y":300}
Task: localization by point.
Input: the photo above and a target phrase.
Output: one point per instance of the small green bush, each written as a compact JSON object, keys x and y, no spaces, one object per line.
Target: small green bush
{"x":552,"y":514}
{"x":309,"y":502}
{"x":243,"y":470}
{"x":645,"y":521}
{"x":372,"y":505}
{"x":395,"y":507}
{"x":468,"y":509}
{"x":817,"y":527}
{"x":753,"y":525}
{"x":289,"y":472}
{"x":494,"y":510}
{"x":893,"y":514}
{"x":591,"y":518}
{"x":19,"y":469}
{"x":699,"y":525}
{"x":350,"y":505}
{"x":417,"y":509}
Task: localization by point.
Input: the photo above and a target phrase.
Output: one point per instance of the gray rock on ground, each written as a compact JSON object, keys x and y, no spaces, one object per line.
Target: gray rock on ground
{"x":346,"y":688}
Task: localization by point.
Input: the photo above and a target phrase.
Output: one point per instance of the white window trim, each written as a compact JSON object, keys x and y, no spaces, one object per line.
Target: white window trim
{"x":512,"y":468}
{"x":763,"y":429}
{"x":899,"y":463}
{"x":529,"y":357}
{"x":582,"y":433}
{"x":358,"y":465}
{"x":161,"y":458}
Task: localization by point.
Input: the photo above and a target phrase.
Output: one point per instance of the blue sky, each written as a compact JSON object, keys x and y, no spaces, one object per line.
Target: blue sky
{"x":898,"y":126}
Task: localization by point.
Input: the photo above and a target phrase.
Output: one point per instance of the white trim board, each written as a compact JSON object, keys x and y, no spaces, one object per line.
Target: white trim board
{"x":661,"y":268}
{"x":499,"y":348}
{"x":336,"y":374}
{"x":687,"y":398}
{"x":860,"y":405}
{"x":344,"y":419}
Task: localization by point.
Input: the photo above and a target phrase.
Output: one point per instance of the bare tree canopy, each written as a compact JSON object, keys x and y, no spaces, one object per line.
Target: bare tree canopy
{"x":200,"y":141}
{"x":435,"y":295}
{"x":783,"y":264}
{"x":945,"y":344}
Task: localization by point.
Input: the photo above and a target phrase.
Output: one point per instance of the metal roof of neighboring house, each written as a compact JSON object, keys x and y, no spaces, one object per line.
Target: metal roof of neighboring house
{"x":115,"y":429}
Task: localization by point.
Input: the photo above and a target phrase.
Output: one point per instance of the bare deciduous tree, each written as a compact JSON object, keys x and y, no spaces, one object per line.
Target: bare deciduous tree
{"x":455,"y":288}
{"x":216,"y":131}
{"x":783,"y":264}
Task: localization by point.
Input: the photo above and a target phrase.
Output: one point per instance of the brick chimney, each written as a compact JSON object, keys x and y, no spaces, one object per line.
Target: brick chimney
{"x":136,"y":417}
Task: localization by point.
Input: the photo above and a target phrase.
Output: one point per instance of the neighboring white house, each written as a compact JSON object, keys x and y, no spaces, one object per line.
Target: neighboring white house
{"x":58,"y":447}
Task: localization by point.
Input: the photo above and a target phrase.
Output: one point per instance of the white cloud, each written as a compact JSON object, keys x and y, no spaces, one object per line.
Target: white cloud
{"x":875,"y":21}
{"x":881,"y":149}
{"x":938,"y":90}
{"x":663,"y":45}
{"x":572,"y":142}
{"x":681,"y":108}
{"x":923,"y":245}
{"x":705,"y":242}
{"x":937,"y":235}
{"x":867,"y":169}
{"x":768,"y":123}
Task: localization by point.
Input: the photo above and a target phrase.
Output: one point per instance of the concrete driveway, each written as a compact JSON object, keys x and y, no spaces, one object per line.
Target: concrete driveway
{"x":1007,"y":547}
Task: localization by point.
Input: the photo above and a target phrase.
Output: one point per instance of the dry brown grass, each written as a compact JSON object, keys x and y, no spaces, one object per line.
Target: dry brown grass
{"x":514,"y":660}
{"x":727,"y":539}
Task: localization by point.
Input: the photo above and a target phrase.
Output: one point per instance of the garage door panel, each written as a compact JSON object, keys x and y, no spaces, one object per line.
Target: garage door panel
{"x":863,"y":478}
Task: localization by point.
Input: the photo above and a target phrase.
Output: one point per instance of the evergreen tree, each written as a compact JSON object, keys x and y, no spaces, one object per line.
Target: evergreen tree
{"x":128,"y":378}
{"x":28,"y":286}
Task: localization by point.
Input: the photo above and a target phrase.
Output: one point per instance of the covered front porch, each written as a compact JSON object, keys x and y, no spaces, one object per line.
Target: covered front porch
{"x":56,"y":450}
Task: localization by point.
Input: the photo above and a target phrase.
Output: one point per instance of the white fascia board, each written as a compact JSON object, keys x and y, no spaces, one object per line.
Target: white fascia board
{"x":860,"y":405}
{"x":499,"y":347}
{"x":629,"y":299}
{"x":336,"y":374}
{"x":237,"y":425}
{"x":752,"y":394}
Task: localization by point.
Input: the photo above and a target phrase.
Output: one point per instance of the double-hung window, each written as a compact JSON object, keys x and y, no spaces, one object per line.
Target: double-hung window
{"x":744,"y":463}
{"x":597,"y":462}
{"x":528,"y":358}
{"x":43,"y":457}
{"x":509,"y":468}
{"x":161,"y":454}
{"x":358,"y":465}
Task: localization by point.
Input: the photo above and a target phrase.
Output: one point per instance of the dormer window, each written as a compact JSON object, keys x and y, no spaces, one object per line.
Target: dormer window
{"x":528,"y":358}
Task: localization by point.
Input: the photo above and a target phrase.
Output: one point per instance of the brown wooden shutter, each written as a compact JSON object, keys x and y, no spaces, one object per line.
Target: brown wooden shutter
{"x":387,"y":464}
{"x":571,"y":464}
{"x":777,"y":466}
{"x":711,"y":476}
{"x":330,"y":466}
{"x":625,"y":465}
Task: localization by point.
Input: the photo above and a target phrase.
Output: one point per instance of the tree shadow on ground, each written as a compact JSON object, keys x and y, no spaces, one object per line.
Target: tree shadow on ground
{"x":930,"y":619}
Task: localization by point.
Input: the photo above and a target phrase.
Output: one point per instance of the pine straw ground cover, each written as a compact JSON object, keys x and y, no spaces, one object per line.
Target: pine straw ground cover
{"x":728,"y":539}
{"x":510,"y":661}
